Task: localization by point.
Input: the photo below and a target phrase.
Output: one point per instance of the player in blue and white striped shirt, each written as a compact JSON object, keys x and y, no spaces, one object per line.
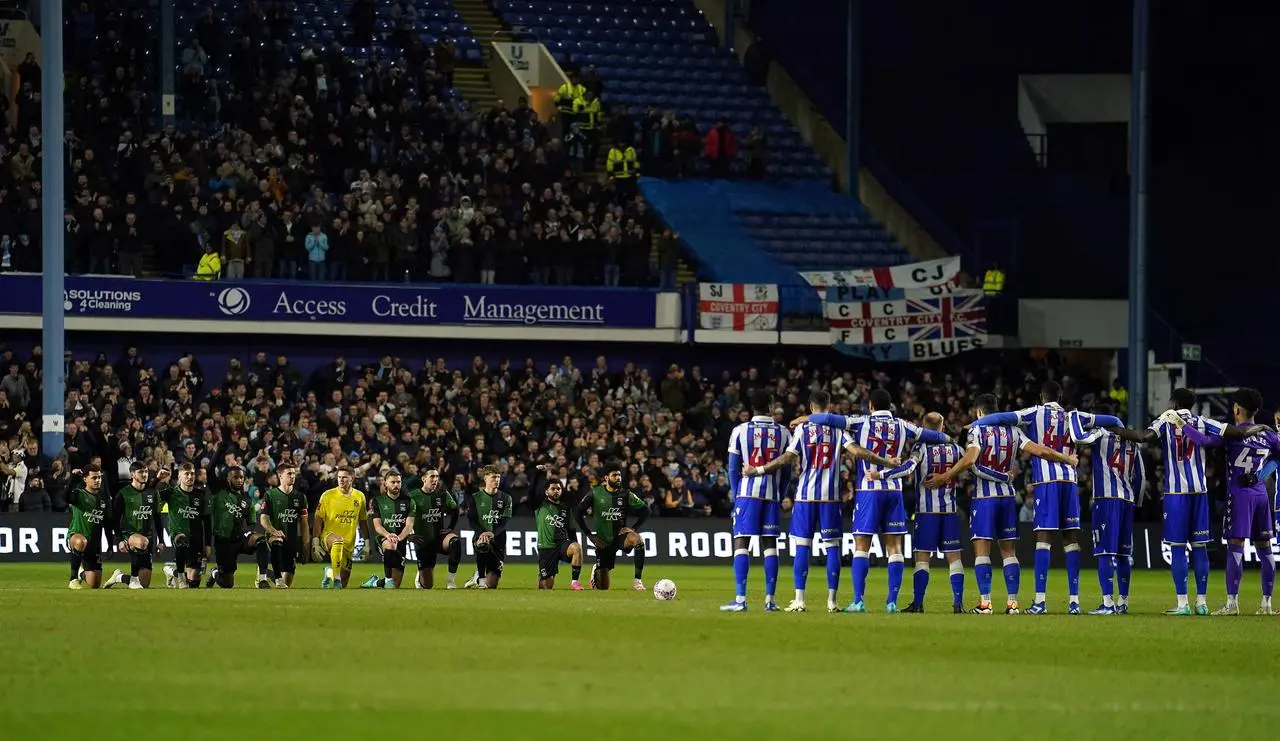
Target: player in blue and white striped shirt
{"x":1185,"y":495}
{"x":994,"y":511}
{"x":1057,"y":507}
{"x":757,"y":500}
{"x":878,"y":506}
{"x":938,"y":523}
{"x":817,"y":500}
{"x":1118,"y":475}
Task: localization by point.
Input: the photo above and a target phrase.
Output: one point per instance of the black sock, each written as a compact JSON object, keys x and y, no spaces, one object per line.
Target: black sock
{"x":386,"y":569}
{"x":77,"y":558}
{"x":180,"y":560}
{"x":192,"y":583}
{"x":264,"y":557}
{"x":577,"y":572}
{"x":455,"y":555}
{"x":135,"y":566}
{"x":639,"y":562}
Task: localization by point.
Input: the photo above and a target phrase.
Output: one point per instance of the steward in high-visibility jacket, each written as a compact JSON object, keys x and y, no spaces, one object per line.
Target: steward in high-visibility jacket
{"x":622,"y":163}
{"x":586,"y":111}
{"x":993,"y":282}
{"x":566,"y":94}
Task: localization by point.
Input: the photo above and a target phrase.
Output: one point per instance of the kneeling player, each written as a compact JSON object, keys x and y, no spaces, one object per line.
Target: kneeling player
{"x":340,"y":512}
{"x":190,"y":528}
{"x":393,"y":517}
{"x":490,"y":510}
{"x":608,"y":504}
{"x":432,"y":537}
{"x":90,"y":516}
{"x":137,"y":514}
{"x":554,"y":543}
{"x":233,"y":534}
{"x":284,"y":517}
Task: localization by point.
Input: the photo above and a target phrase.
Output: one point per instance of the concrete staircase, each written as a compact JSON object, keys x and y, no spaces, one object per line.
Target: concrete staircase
{"x":470,"y":79}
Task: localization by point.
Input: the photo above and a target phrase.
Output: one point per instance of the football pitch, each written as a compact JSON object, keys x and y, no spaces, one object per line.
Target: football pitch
{"x":516,"y":663}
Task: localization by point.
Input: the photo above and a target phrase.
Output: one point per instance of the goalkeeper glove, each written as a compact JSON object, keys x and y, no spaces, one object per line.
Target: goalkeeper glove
{"x":317,"y":550}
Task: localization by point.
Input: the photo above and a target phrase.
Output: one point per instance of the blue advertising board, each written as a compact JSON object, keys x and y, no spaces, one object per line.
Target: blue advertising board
{"x":94,"y":296}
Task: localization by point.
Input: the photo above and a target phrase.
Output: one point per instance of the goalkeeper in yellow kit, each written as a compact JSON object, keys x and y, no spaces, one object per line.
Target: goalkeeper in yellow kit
{"x":340,"y":511}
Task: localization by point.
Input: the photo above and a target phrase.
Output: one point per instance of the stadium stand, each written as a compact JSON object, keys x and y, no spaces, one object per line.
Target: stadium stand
{"x":670,"y":425}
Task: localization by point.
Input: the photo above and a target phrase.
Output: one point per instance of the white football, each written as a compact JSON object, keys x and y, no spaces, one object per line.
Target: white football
{"x":664,"y":590}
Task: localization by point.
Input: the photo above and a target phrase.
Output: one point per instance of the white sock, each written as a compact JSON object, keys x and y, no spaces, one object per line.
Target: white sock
{"x":740,"y":599}
{"x":1201,"y":600}
{"x":1266,"y":601}
{"x":1233,"y":600}
{"x":1106,"y":601}
{"x":1040,"y":597}
{"x":1182,"y":600}
{"x":831,"y":596}
{"x":800,"y":596}
{"x":1122,"y":600}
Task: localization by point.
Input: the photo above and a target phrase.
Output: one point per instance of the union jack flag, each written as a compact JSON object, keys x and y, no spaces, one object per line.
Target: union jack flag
{"x":960,"y":315}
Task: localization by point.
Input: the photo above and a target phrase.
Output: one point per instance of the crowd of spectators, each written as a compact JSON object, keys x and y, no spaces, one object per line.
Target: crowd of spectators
{"x":670,"y":426}
{"x":327,"y":166}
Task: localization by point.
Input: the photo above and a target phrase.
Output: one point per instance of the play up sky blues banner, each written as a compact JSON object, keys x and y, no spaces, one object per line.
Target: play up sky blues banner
{"x":247,"y":302}
{"x":906,"y":324}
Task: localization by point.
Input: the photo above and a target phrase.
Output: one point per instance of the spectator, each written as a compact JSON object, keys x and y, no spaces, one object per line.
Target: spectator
{"x":15,"y":388}
{"x":235,"y":251}
{"x":317,"y":244}
{"x":611,"y":252}
{"x":292,"y":246}
{"x":721,"y":147}
{"x":210,"y":267}
{"x":668,"y":259}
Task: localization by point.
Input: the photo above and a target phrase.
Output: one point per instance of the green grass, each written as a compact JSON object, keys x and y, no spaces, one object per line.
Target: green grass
{"x":521,"y":664}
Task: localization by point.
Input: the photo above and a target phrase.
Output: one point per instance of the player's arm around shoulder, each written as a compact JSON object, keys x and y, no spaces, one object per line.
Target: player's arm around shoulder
{"x":786,"y":458}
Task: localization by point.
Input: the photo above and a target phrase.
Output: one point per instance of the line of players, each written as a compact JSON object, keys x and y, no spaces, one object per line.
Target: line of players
{"x":888,"y":451}
{"x":221,"y":526}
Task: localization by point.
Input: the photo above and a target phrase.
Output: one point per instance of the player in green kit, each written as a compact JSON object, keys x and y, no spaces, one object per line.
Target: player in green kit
{"x":490,"y":509}
{"x":284,"y":518}
{"x":608,"y":504}
{"x":137,"y":511}
{"x":393,"y":516}
{"x":554,"y":543}
{"x":190,"y":527}
{"x":90,"y":520}
{"x":432,"y":537}
{"x":233,"y":534}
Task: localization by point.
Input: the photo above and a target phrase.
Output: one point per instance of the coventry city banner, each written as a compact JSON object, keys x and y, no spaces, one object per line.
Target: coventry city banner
{"x":738,"y":307}
{"x":911,"y":275}
{"x":329,"y":303}
{"x":896,"y":324}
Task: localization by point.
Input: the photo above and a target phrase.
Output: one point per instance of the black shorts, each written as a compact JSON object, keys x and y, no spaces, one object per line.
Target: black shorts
{"x":289,"y":554}
{"x":549,"y":559}
{"x":428,"y":550}
{"x":194,"y":543}
{"x":227,"y":550}
{"x":92,"y":557}
{"x":608,"y":557}
{"x":490,"y":561}
{"x":394,"y":558}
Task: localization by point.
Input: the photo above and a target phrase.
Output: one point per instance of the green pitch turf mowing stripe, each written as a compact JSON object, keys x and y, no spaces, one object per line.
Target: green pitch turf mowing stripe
{"x":516,"y":663}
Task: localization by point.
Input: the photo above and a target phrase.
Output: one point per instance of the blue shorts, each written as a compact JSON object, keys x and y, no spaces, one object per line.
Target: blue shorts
{"x":1112,"y":527}
{"x":993,"y":518}
{"x":822,"y":518}
{"x":937,"y":532}
{"x":756,"y":517}
{"x":1057,"y":506}
{"x":879,"y":513}
{"x":1186,"y":518}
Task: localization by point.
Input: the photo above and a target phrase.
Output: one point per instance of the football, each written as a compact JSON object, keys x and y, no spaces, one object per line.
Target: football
{"x":664,"y":590}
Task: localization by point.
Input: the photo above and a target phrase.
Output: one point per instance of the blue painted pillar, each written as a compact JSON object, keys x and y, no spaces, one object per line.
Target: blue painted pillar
{"x":1139,"y":161}
{"x":53,"y":263}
